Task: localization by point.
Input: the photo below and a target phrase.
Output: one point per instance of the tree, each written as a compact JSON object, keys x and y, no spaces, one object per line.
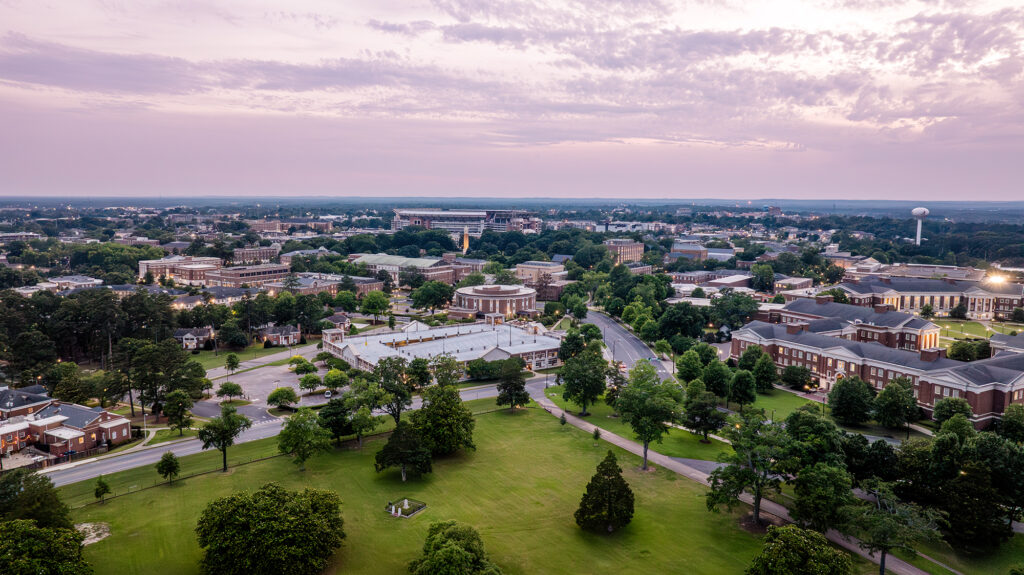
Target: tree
{"x":419,"y":372}
{"x":102,"y":489}
{"x":717,"y":378}
{"x":583,"y":377}
{"x":689,"y":366}
{"x":444,"y":422}
{"x":927,"y":311}
{"x":895,"y":405}
{"x":765,"y":374}
{"x":29,"y":550}
{"x":232,"y":335}
{"x":310,"y":382}
{"x":447,"y":370}
{"x":336,"y":418}
{"x":734,"y":309}
{"x":221,"y":432}
{"x":231,"y":363}
{"x":229,"y":390}
{"x":754,"y":465}
{"x":176,"y":408}
{"x":282,"y":397}
{"x":302,"y":437}
{"x":851,"y":401}
{"x":838,"y":295}
{"x":572,"y":345}
{"x":453,"y":548}
{"x":821,"y":491}
{"x":512,"y":385}
{"x":375,"y":303}
{"x":432,"y":294}
{"x":347,"y":301}
{"x":796,"y":377}
{"x":701,"y":414}
{"x":607,"y":504}
{"x":706,"y":352}
{"x":648,"y":406}
{"x":269,"y":531}
{"x":886,"y":523}
{"x":790,"y":550}
{"x":335,"y":379}
{"x":1012,"y":425}
{"x":948,"y":407}
{"x":748,"y":359}
{"x":362,"y":399}
{"x":963,"y":351}
{"x":395,"y":386}
{"x":762,"y":278}
{"x":168,"y":467}
{"x":25,"y":494}
{"x":959,"y":312}
{"x":742,"y":389}
{"x":406,"y":450}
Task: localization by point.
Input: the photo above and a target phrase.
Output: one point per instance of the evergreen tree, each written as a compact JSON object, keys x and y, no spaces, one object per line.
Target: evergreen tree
{"x":608,"y":503}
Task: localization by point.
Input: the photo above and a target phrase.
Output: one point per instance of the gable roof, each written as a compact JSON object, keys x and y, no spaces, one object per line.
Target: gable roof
{"x":18,"y":398}
{"x":855,"y":313}
{"x":77,"y":416}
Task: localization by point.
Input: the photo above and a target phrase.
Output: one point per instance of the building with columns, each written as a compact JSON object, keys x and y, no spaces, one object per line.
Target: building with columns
{"x":983,"y":300}
{"x":878,"y":324}
{"x":509,"y":301}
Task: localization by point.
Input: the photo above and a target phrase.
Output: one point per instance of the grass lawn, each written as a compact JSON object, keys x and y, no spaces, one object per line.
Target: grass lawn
{"x":210,"y":361}
{"x":563,"y":324}
{"x":519,"y":489}
{"x":678,"y":443}
{"x":781,"y":402}
{"x":236,"y":402}
{"x":964,"y":329}
{"x":171,"y":435}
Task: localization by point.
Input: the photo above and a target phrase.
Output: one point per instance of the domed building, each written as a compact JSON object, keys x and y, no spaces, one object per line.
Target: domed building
{"x":508,"y":301}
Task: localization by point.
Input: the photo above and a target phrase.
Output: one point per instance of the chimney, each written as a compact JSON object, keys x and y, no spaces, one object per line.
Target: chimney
{"x":882,"y":307}
{"x":932,"y":354}
{"x":797,"y":327}
{"x":823,"y":298}
{"x":885,"y":279}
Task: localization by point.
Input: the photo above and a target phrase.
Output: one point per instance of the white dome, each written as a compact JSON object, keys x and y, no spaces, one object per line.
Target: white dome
{"x":920,"y":212}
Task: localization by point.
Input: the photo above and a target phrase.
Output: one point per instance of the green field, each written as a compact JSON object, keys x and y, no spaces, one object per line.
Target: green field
{"x":678,"y":443}
{"x":965,"y":329}
{"x":519,"y":489}
{"x":164,"y":435}
{"x":209,"y":361}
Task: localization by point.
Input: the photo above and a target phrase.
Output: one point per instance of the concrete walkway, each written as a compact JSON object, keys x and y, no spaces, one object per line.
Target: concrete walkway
{"x":893,"y":564}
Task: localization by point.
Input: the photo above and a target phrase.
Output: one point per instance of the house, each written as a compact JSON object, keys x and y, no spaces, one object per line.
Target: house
{"x":281,"y":335}
{"x":64,"y":428}
{"x":193,"y":337}
{"x":339,"y":321}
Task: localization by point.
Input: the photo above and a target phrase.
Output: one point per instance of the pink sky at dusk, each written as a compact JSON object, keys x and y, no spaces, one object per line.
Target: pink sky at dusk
{"x":854,"y":99}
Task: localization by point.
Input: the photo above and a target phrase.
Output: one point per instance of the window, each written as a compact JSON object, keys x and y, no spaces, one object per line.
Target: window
{"x":829,"y":362}
{"x":81,"y":440}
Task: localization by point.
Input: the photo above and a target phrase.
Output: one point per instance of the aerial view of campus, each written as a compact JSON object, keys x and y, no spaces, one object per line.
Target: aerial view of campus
{"x":452,"y":287}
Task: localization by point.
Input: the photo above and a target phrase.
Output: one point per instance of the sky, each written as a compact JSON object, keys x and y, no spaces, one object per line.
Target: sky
{"x":850,"y":99}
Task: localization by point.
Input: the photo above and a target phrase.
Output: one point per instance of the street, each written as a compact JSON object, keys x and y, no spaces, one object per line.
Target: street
{"x":625,"y":346}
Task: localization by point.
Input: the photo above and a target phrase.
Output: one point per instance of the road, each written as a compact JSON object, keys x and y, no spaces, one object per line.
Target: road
{"x":625,"y":346}
{"x":264,"y":426}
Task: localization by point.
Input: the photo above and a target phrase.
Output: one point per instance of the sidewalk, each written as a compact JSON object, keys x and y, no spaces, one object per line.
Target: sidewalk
{"x":892,"y":564}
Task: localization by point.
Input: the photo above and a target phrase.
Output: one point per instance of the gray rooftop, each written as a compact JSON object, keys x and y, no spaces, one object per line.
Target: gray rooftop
{"x":78,"y":416}
{"x":855,"y":314}
{"x":875,"y":284}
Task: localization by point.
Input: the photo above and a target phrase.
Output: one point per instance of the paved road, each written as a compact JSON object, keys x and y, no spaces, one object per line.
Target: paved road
{"x":256,"y":413}
{"x":625,"y":346}
{"x":88,"y":469}
{"x":266,"y":426}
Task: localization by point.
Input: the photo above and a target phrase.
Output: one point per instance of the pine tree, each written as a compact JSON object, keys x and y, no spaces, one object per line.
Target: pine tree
{"x":608,"y":503}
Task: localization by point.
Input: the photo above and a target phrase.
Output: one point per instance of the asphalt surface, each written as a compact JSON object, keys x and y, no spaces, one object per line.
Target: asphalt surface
{"x":625,"y":346}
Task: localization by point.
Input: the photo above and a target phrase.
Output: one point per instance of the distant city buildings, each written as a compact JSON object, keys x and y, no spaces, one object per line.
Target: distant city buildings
{"x":473,"y":222}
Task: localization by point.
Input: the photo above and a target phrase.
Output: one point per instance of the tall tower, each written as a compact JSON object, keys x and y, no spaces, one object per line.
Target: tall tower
{"x":919,"y":214}
{"x":465,"y":240}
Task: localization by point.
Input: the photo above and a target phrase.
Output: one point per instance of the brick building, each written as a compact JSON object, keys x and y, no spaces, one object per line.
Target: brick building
{"x":509,"y":301}
{"x":238,"y":276}
{"x":624,"y":250}
{"x":983,"y":300}
{"x":877,"y":324}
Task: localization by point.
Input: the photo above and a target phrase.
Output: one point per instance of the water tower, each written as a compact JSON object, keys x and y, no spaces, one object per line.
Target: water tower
{"x":919,"y":214}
